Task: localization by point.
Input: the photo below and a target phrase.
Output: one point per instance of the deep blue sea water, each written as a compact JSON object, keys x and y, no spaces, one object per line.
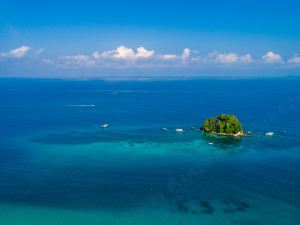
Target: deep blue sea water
{"x":58,"y":166}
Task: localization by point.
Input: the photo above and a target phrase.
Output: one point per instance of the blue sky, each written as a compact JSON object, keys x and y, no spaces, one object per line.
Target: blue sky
{"x":107,"y":39}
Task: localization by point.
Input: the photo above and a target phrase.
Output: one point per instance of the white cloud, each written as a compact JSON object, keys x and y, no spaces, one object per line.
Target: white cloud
{"x":16,"y":53}
{"x":129,"y":54}
{"x":124,"y":53}
{"x":230,"y":58}
{"x":97,"y":55}
{"x":121,"y":53}
{"x":141,"y":58}
{"x":169,"y":56}
{"x":124,"y":57}
{"x":246,"y":58}
{"x":186,"y":54}
{"x":294,"y":60}
{"x":271,"y":57}
{"x":78,"y":60}
{"x":227,"y":58}
{"x":143,"y":53}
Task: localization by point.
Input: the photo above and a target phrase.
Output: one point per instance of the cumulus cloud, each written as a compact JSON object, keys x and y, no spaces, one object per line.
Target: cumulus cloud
{"x":16,"y":53}
{"x":230,"y":58}
{"x":124,"y":53}
{"x":186,"y":54}
{"x":246,"y":58}
{"x":227,"y":58}
{"x":120,"y":53}
{"x":125,"y":57}
{"x":169,"y":56}
{"x":294,"y":60}
{"x":143,"y":59}
{"x":143,"y":53}
{"x":271,"y":57}
{"x":78,"y":60}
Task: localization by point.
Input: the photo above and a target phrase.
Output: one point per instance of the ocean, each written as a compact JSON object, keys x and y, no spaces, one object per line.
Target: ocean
{"x":59,"y":167}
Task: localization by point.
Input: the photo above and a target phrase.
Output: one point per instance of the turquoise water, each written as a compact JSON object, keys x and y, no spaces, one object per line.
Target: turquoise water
{"x":57,"y":166}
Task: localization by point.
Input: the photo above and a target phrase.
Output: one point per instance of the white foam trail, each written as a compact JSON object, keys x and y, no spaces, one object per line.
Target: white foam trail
{"x":80,"y":105}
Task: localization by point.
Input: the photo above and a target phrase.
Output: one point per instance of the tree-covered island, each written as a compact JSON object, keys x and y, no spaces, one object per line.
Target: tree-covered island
{"x":224,"y":124}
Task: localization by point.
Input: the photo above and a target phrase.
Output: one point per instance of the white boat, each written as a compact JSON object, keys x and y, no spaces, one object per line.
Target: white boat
{"x":105,"y":125}
{"x":179,"y":130}
{"x":269,"y":133}
{"x":164,"y":129}
{"x":210,"y":143}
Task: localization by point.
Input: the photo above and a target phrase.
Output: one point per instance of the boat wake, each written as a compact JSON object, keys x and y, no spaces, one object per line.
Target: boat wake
{"x":80,"y":105}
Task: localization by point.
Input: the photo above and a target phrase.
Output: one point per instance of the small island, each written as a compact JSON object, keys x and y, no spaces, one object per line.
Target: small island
{"x":224,"y":125}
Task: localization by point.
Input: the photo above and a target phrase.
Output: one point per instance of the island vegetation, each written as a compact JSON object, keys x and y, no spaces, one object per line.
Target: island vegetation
{"x":225,"y":125}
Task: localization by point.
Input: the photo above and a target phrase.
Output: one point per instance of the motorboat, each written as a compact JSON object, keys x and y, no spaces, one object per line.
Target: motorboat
{"x":105,"y":125}
{"x":269,"y":133}
{"x":179,"y":130}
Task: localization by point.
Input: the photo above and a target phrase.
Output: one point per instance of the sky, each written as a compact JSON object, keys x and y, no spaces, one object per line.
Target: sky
{"x":149,"y":39}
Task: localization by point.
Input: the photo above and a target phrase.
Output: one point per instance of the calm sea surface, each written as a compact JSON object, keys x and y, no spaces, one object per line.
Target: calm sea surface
{"x":59,"y":167}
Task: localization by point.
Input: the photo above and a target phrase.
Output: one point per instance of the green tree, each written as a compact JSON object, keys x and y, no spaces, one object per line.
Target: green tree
{"x":224,"y":123}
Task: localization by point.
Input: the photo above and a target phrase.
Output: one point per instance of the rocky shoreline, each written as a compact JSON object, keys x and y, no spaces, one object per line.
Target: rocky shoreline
{"x":239,"y":134}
